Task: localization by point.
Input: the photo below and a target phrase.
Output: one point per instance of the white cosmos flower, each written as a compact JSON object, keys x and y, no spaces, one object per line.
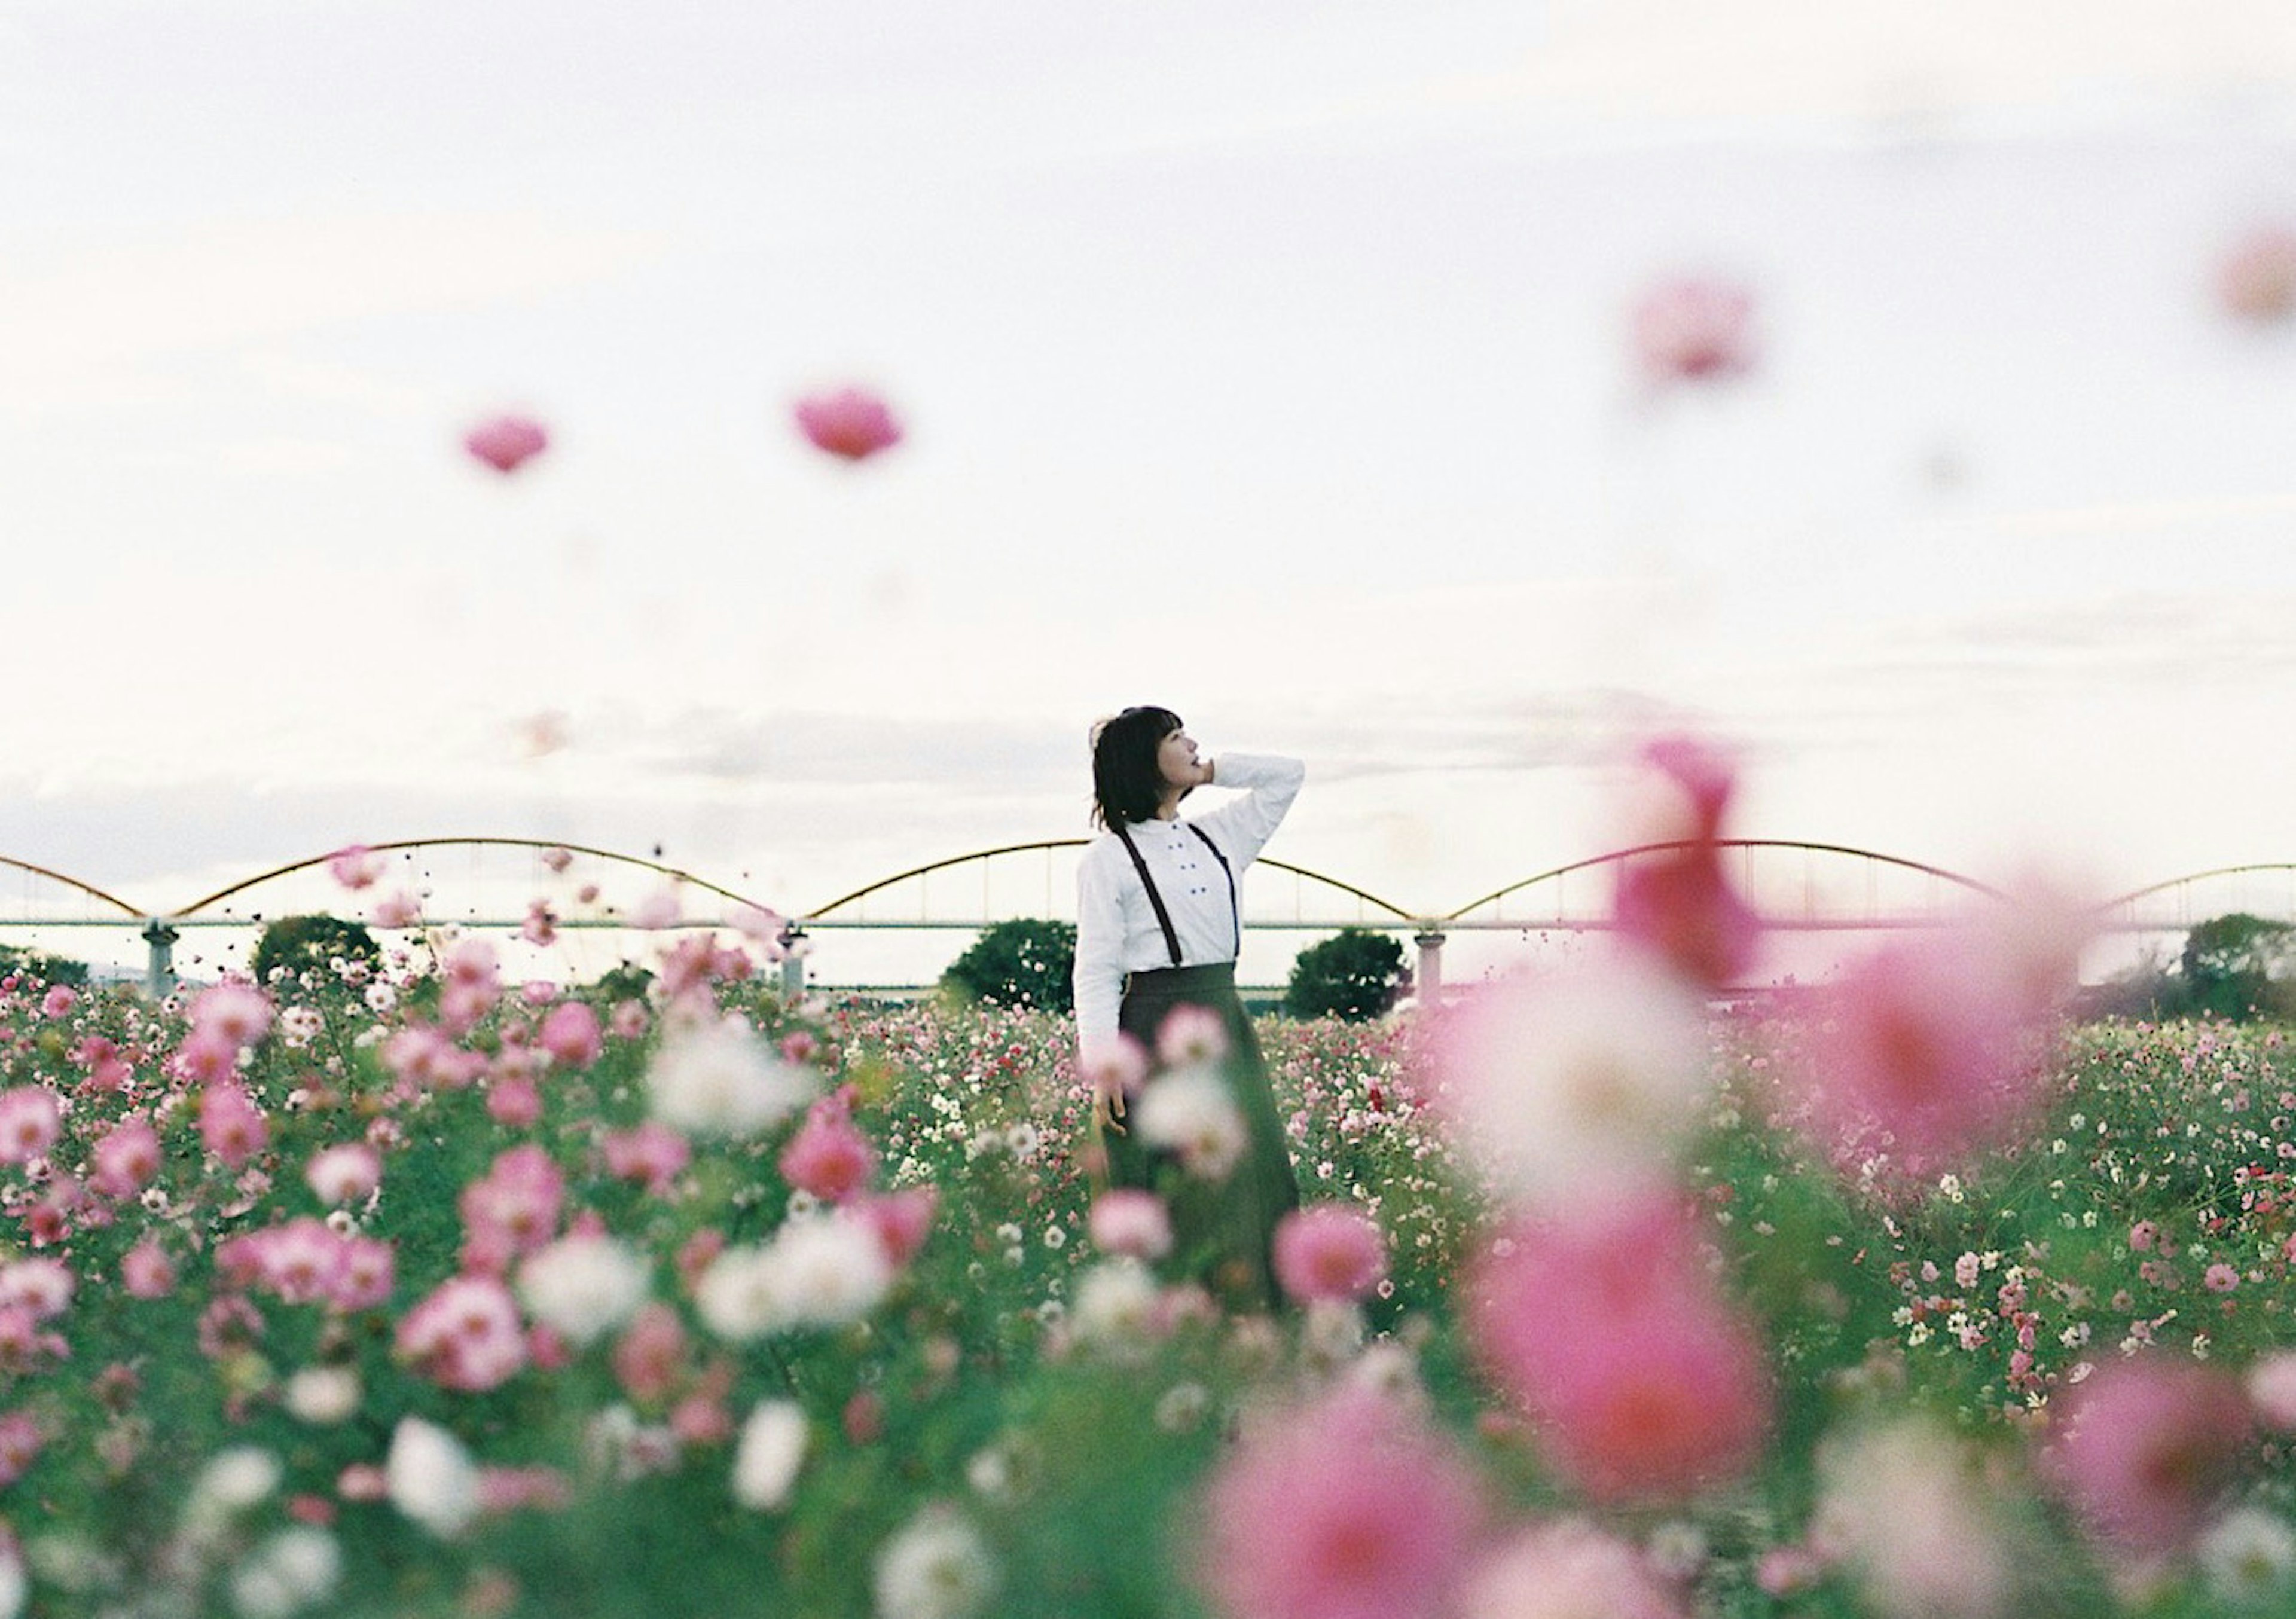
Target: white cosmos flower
{"x":2249,"y":1555}
{"x":1115,"y":1308}
{"x":1906,"y":1508}
{"x":584,"y":1286}
{"x":295,"y":1569}
{"x":937,"y":1566}
{"x":716,"y":1078}
{"x":1190,"y":1111}
{"x":323,"y":1394}
{"x":827,"y":1270}
{"x":736,"y":1296}
{"x":1577,"y":1083}
{"x":766,"y":1460}
{"x":431,"y":1478}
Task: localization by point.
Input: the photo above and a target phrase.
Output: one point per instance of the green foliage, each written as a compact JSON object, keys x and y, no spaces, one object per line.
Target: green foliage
{"x":1023,"y":963}
{"x":623,"y":981}
{"x":47,"y":969}
{"x":301,"y":943}
{"x":1354,"y":974}
{"x":2233,"y":965}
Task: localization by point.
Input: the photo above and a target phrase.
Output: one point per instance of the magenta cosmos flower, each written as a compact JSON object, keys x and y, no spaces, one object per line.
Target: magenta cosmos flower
{"x":1677,"y":903}
{"x":1344,"y":1508}
{"x":2257,"y":281}
{"x":849,"y":424}
{"x":507,"y":443}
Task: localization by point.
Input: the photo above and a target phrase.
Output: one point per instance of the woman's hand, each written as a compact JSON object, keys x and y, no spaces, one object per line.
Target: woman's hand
{"x":1108,"y":1109}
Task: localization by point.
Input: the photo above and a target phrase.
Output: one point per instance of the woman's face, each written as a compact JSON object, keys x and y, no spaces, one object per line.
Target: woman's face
{"x":1176,"y":760}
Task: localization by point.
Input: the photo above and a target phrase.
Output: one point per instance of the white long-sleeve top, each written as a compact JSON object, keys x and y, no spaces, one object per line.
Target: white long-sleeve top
{"x":1117,"y":931}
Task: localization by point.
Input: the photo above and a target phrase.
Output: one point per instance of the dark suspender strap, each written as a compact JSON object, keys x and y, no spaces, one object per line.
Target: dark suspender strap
{"x":1235,"y":911}
{"x":1163,"y":917}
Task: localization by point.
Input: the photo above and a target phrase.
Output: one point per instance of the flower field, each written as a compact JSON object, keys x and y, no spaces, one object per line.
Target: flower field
{"x":408,"y":1291}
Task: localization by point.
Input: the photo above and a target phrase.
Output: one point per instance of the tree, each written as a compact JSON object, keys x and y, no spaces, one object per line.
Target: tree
{"x":1023,"y":963}
{"x":1356,"y":974}
{"x":300,"y":943}
{"x":47,"y":969}
{"x":2233,"y":965}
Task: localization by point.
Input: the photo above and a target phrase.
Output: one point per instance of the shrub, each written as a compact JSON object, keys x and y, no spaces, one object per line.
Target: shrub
{"x":1356,"y":974}
{"x":47,"y":969}
{"x":1023,"y":963}
{"x":299,"y":942}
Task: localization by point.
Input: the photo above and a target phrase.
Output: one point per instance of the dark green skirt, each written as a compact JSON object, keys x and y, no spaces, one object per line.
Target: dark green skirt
{"x":1223,"y":1232}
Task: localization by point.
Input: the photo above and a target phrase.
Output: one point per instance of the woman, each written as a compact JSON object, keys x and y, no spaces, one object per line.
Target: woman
{"x":1159,"y":926}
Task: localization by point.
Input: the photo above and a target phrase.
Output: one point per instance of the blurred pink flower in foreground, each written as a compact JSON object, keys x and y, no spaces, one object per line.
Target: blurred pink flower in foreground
{"x":1129,"y":1223}
{"x":1567,"y":1569}
{"x":2146,"y":1448}
{"x":1692,"y":329}
{"x":829,"y":1156}
{"x":1644,"y":1379}
{"x":29,"y":1122}
{"x":1678,"y":903}
{"x":850,"y":423}
{"x":507,"y":443}
{"x":1344,"y":1508}
{"x":2257,"y":281}
{"x":1937,"y":1043}
{"x":1329,"y":1251}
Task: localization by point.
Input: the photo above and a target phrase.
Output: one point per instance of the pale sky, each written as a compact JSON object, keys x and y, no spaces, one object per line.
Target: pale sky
{"x":1265,"y":361}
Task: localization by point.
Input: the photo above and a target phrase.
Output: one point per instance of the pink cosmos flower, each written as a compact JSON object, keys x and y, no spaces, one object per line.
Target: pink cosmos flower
{"x":2257,"y":281}
{"x":2143,"y":1235}
{"x":1126,"y":1223}
{"x":465,"y":1335}
{"x":20,"y":1440}
{"x":232,"y":1127}
{"x":513,"y":1103}
{"x":2146,"y":1447}
{"x":2221,"y":1279}
{"x":1693,"y":330}
{"x":300,"y":1260}
{"x":145,"y":1271}
{"x":570,"y":1033}
{"x":829,"y":1156}
{"x":1930,"y":1042}
{"x":355,"y":867}
{"x":42,"y":1287}
{"x":658,"y":910}
{"x":29,"y":1122}
{"x":1329,"y":1251}
{"x":126,"y":1159}
{"x":427,"y":1058}
{"x":1656,"y":1389}
{"x":1677,"y":902}
{"x":507,"y":443}
{"x":24,"y":1348}
{"x":1191,"y":1035}
{"x":630,"y":1020}
{"x":59,"y":1001}
{"x":517,"y":1202}
{"x":344,"y":1173}
{"x":400,"y":909}
{"x":557,"y":860}
{"x":107,"y":1071}
{"x":650,"y":1356}
{"x":231,"y":1013}
{"x":204,"y":1059}
{"x":902,"y":1220}
{"x":541,"y":927}
{"x":652,"y":1153}
{"x":1348,"y":1508}
{"x":848,"y":423}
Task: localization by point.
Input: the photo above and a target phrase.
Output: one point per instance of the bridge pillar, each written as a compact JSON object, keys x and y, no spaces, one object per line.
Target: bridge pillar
{"x":795,"y":946}
{"x":1428,"y":981}
{"x":160,"y":970}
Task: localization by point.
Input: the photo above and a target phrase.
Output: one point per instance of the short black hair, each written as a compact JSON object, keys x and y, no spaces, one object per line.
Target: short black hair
{"x":1126,"y":784}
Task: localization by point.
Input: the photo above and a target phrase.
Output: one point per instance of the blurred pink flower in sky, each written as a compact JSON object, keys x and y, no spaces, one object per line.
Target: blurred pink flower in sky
{"x":2257,"y":279}
{"x":2144,"y":1448}
{"x":1347,"y":1507}
{"x":1693,"y":329}
{"x":1645,"y":1380}
{"x":507,"y":443}
{"x":355,"y":867}
{"x":1678,"y":903}
{"x":850,"y":422}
